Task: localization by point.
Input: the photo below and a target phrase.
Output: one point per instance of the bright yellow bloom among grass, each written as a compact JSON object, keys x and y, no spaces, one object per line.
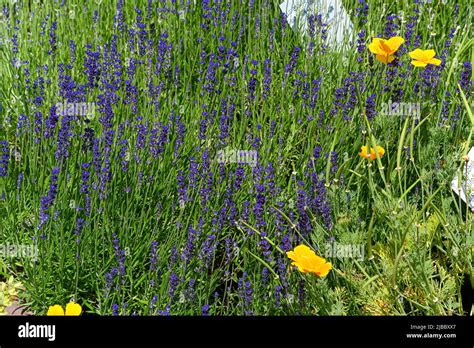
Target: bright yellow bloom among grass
{"x":424,"y":57}
{"x":55,"y":310}
{"x":72,"y":309}
{"x":307,"y":261}
{"x":370,"y":154}
{"x":384,"y":49}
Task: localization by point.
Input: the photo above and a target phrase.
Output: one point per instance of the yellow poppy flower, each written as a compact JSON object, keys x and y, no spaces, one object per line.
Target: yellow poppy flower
{"x":72,"y":309}
{"x":365,"y":152}
{"x":55,"y":310}
{"x":423,"y":57}
{"x":307,"y":261}
{"x":384,"y":49}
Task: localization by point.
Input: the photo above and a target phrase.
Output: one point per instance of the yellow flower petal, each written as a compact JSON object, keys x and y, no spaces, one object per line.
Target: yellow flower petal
{"x":317,"y":260}
{"x":73,"y":308}
{"x":384,"y":59}
{"x":364,"y":152}
{"x":55,"y":310}
{"x":301,"y":268}
{"x":416,"y":54}
{"x":386,"y":49}
{"x":429,"y":54}
{"x":304,"y":264}
{"x":374,"y":46}
{"x":394,"y":43}
{"x":418,"y":63}
{"x":324,"y":269}
{"x":434,"y":61}
{"x":302,"y":250}
{"x":372,"y":154}
{"x":380,"y":150}
{"x":291,"y":255}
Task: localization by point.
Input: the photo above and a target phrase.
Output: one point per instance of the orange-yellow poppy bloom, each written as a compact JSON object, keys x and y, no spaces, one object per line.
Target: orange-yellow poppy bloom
{"x":384,"y":49}
{"x":308,"y":262}
{"x":72,"y":309}
{"x":424,"y":57}
{"x":370,"y":154}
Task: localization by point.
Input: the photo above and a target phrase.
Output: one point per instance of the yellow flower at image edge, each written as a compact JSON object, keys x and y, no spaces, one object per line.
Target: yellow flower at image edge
{"x":384,"y":49}
{"x":423,"y":57}
{"x":72,"y":309}
{"x":308,"y":262}
{"x":370,"y":154}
